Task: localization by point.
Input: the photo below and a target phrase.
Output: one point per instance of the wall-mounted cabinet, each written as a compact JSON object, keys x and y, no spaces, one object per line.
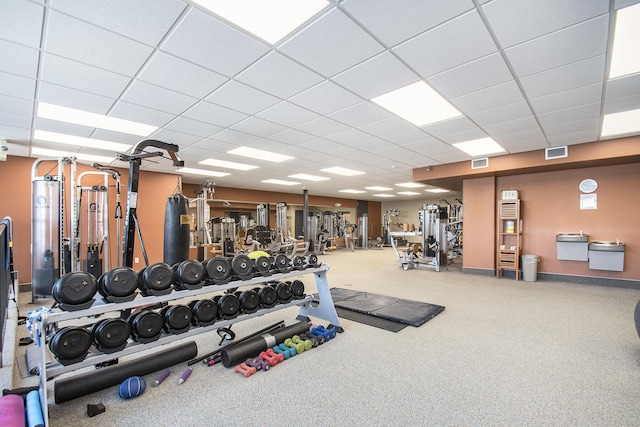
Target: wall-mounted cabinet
{"x":509,"y":233}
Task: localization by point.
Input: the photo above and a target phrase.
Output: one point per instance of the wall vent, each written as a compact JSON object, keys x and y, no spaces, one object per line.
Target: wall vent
{"x":480,"y":163}
{"x":555,"y":153}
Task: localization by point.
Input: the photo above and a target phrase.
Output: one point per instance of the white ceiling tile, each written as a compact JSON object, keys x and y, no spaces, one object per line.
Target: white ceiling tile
{"x":144,"y":20}
{"x":624,"y":103}
{"x":259,"y":127}
{"x":73,"y":98}
{"x":17,"y":120}
{"x":569,"y":115}
{"x":568,"y":99}
{"x":472,"y":76}
{"x":581,"y":41}
{"x":234,"y":137}
{"x":287,"y":114}
{"x":13,"y":85}
{"x":502,"y":113}
{"x":623,"y":86}
{"x":193,"y":127}
{"x":193,"y":80}
{"x":405,"y":136}
{"x":322,"y":127}
{"x":278,"y":75}
{"x":575,"y":75}
{"x":360,"y":114}
{"x":173,"y":137}
{"x":215,"y":114}
{"x":579,"y":137}
{"x":516,"y":21}
{"x":15,"y":149}
{"x":211,"y":145}
{"x":387,"y":126}
{"x":62,"y":127}
{"x":376,"y":76}
{"x":331,"y":44}
{"x":571,"y":127}
{"x":292,"y":136}
{"x":453,"y":43}
{"x":369,"y":144}
{"x":394,"y":21}
{"x":463,"y":136}
{"x":21,"y":22}
{"x":152,"y":96}
{"x":624,"y":3}
{"x":11,"y":104}
{"x":240,"y":97}
{"x":490,"y":98}
{"x":512,"y":126}
{"x":273,"y":146}
{"x":76,"y":75}
{"x":449,"y":126}
{"x":150,"y":116}
{"x":526,"y":145}
{"x":325,"y":98}
{"x":77,"y":40}
{"x":123,"y":138}
{"x":206,"y":41}
{"x":350,"y":136}
{"x":18,"y":59}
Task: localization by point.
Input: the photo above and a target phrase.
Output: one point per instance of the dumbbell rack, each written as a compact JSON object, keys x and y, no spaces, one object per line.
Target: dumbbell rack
{"x":324,"y":309}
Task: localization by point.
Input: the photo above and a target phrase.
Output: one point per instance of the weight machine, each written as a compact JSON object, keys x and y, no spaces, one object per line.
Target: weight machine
{"x":433,"y":249}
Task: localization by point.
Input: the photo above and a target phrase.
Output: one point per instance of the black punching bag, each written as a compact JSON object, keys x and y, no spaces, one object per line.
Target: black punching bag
{"x":176,"y":229}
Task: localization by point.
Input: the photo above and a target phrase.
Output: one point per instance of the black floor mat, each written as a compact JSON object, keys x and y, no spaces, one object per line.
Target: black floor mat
{"x":408,"y":312}
{"x":367,"y":319}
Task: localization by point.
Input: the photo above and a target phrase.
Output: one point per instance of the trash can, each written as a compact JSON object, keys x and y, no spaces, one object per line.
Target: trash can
{"x":530,"y":267}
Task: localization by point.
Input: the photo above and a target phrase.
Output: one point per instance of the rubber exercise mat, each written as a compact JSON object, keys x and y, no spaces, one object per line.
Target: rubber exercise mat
{"x":407,"y":312}
{"x":365,"y":319}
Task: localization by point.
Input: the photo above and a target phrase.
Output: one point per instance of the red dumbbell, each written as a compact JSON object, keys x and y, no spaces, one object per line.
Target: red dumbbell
{"x":245,"y":370}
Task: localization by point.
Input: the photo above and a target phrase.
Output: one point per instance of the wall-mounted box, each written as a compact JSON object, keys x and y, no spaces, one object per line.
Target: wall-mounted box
{"x":572,"y":247}
{"x":606,"y":256}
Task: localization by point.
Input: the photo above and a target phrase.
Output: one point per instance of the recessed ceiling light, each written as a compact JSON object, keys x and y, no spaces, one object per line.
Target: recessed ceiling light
{"x":202,"y":172}
{"x":410,"y":185}
{"x":378,"y":188}
{"x":42,"y":135}
{"x":352,"y":191}
{"x":80,"y":156}
{"x":408,"y":193}
{"x":85,"y":118}
{"x":437,"y":190}
{"x":621,"y":123}
{"x":626,"y":42}
{"x":279,"y":182}
{"x":306,"y":177}
{"x":269,"y":20}
{"x":384,"y":195}
{"x":254,"y":153}
{"x":417,"y":103}
{"x":342,"y":171}
{"x":479,"y":147}
{"x":227,"y":165}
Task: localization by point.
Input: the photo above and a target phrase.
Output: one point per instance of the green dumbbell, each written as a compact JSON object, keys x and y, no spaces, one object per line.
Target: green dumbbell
{"x":297,"y":345}
{"x":308,"y":344}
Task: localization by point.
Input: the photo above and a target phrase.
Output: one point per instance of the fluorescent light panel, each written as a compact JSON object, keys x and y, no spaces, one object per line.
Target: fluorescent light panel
{"x":42,"y":135}
{"x":227,"y":165}
{"x":479,"y":147}
{"x":279,"y":182}
{"x":202,"y":172}
{"x":626,"y":42}
{"x":342,"y":171}
{"x":254,"y":153}
{"x":269,"y":20}
{"x":410,"y":185}
{"x":306,"y":177}
{"x":417,"y":103}
{"x":378,"y":188}
{"x":384,"y":195}
{"x":437,"y":190}
{"x":352,"y":191}
{"x":85,"y":118}
{"x":408,"y":193}
{"x":621,"y":123}
{"x":80,"y":156}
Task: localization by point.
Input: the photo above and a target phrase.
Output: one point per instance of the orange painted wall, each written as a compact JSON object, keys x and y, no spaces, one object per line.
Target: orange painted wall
{"x":479,"y":241}
{"x":551,"y":205}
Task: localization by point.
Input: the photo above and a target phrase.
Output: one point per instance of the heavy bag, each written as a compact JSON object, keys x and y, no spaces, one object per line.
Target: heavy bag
{"x":177,"y":223}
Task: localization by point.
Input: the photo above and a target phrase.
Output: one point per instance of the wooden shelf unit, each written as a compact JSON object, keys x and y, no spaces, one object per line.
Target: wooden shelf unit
{"x":509,"y":238}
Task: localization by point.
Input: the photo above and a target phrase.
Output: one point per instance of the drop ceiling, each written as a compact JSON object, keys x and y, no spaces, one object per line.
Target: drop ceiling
{"x":529,"y":74}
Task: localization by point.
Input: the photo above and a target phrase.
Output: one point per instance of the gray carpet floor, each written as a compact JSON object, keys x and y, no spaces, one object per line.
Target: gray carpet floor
{"x":503,"y":353}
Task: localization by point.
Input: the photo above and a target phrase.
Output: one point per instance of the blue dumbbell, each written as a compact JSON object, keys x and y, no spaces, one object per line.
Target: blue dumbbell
{"x":292,"y":351}
{"x":326,"y":333}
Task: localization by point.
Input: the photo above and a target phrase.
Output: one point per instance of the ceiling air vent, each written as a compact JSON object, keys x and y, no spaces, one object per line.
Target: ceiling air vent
{"x":480,"y":163}
{"x":555,"y":153}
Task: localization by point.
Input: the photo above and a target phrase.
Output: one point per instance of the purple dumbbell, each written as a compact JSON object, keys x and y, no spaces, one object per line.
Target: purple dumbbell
{"x":258,"y":363}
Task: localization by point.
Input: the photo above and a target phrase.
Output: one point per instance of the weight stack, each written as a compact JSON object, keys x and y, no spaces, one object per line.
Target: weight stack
{"x":177,"y":223}
{"x":234,"y":354}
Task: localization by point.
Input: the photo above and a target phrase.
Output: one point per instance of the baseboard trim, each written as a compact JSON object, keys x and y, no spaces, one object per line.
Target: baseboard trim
{"x":566,"y":278}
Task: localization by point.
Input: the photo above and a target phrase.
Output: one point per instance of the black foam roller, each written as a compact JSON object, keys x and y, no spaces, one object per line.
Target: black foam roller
{"x":177,"y":223}
{"x":80,"y":385}
{"x":235,"y":354}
